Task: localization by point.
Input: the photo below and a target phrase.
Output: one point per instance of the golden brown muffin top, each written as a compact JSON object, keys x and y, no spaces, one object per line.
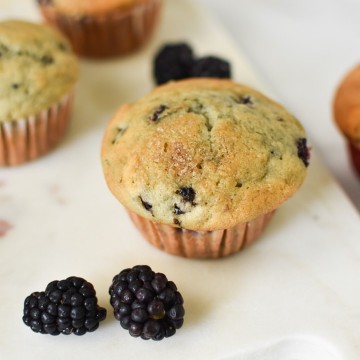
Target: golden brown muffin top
{"x":346,"y":106}
{"x":37,"y":68}
{"x":203,"y":154}
{"x":86,"y":7}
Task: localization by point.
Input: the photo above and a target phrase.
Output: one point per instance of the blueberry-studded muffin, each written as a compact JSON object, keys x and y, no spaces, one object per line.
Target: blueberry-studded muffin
{"x":103,"y":28}
{"x":38,"y":72}
{"x":201,"y":164}
{"x":346,"y":110}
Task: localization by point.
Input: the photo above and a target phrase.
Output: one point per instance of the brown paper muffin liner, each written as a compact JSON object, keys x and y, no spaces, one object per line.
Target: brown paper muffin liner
{"x":28,"y":138}
{"x":201,"y":244}
{"x":109,"y":34}
{"x":354,"y":153}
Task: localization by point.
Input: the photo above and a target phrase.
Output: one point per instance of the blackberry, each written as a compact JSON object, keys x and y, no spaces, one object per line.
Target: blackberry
{"x":65,"y":307}
{"x":146,"y":303}
{"x":211,"y":66}
{"x":173,"y":62}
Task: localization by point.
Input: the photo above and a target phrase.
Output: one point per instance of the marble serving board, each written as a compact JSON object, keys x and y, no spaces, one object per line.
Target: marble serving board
{"x":293,"y":295}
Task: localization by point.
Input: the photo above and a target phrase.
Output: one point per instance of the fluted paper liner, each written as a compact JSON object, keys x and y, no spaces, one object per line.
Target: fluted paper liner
{"x":201,"y":244}
{"x":108,"y":34}
{"x":354,"y":154}
{"x":28,"y":138}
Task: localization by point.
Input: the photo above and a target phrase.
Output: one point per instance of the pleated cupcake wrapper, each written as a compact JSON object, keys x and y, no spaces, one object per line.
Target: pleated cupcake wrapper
{"x":28,"y":138}
{"x":201,"y":244}
{"x":354,"y":153}
{"x":113,"y":33}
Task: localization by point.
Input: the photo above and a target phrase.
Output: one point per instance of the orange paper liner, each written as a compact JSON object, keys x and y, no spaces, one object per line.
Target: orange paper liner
{"x":201,"y":244}
{"x":354,"y":153}
{"x":28,"y":138}
{"x":109,"y":34}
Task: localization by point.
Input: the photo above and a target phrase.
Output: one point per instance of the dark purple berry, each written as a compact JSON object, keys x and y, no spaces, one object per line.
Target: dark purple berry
{"x":176,"y":312}
{"x":159,"y":282}
{"x":173,"y":62}
{"x":139,"y":315}
{"x":303,"y":151}
{"x":211,"y":66}
{"x":135,"y":329}
{"x":35,"y":313}
{"x":67,"y":306}
{"x":76,"y":299}
{"x":90,"y":303}
{"x":151,"y":328}
{"x":135,"y":285}
{"x":127,"y":296}
{"x":55,"y":296}
{"x":169,"y":329}
{"x":78,"y":323}
{"x":156,"y":308}
{"x":152,"y":311}
{"x":144,"y":295}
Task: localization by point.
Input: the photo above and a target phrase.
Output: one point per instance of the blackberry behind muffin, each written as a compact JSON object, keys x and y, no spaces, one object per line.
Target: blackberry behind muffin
{"x":38,"y":72}
{"x":201,"y":164}
{"x":103,"y":28}
{"x":346,"y":110}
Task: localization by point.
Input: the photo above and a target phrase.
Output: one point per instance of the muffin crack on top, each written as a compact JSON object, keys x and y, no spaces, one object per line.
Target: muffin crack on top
{"x":43,"y":58}
{"x":236,"y":153}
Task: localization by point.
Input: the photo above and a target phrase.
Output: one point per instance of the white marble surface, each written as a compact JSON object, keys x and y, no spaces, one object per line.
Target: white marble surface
{"x":302,"y":50}
{"x":294,"y":294}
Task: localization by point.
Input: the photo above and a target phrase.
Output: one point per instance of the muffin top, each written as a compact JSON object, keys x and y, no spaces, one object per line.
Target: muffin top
{"x":346,"y":106}
{"x":203,"y":154}
{"x":87,"y":7}
{"x":37,"y":68}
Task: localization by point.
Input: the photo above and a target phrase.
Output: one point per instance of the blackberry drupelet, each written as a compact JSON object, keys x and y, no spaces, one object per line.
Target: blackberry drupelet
{"x":146,"y":303}
{"x":173,"y":62}
{"x":211,"y":66}
{"x":65,"y":307}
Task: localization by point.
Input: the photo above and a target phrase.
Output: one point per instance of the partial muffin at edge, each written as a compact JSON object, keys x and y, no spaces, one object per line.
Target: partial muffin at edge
{"x":103,"y":28}
{"x":38,"y":73}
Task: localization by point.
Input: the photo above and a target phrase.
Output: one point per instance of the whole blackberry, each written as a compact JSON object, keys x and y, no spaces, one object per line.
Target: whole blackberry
{"x":211,"y":66}
{"x":173,"y":62}
{"x":146,"y":303}
{"x":65,"y":307}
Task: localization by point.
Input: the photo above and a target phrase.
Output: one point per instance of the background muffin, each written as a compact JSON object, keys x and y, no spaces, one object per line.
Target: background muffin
{"x":201,"y":164}
{"x":346,"y":110}
{"x":37,"y":76}
{"x":103,"y":28}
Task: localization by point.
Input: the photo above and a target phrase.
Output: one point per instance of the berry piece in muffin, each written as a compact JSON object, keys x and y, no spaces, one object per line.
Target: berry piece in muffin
{"x":66,"y":307}
{"x":146,"y":303}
